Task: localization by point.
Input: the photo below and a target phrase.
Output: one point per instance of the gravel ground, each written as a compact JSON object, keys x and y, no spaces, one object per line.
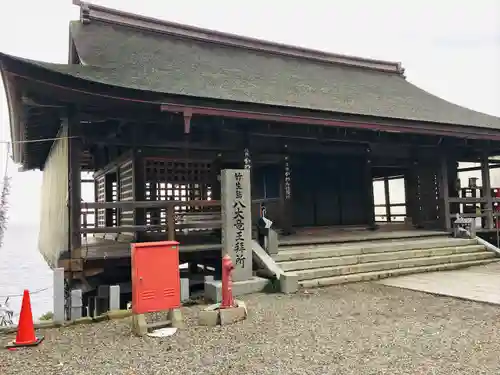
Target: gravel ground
{"x":353,"y":329}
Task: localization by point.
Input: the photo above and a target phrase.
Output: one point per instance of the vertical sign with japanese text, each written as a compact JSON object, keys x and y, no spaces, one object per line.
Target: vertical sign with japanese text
{"x":237,"y":221}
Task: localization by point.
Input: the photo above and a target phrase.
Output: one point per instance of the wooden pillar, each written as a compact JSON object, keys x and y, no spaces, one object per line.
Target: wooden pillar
{"x":412,"y":194}
{"x":387,"y":200}
{"x":453,"y":183}
{"x":370,"y":200}
{"x":108,"y":197}
{"x":444,"y":193}
{"x":286,"y":195}
{"x":485,"y":176}
{"x":75,"y":186}
{"x":139,"y":189}
{"x":215,"y":177}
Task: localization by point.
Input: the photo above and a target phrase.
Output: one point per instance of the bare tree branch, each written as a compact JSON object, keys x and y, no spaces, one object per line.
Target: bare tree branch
{"x":4,"y":206}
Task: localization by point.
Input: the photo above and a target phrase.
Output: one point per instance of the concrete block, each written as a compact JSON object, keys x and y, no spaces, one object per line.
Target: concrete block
{"x":212,"y":315}
{"x":232,"y":315}
{"x":209,"y":318}
{"x":264,"y":261}
{"x":59,"y":297}
{"x":272,"y":242}
{"x":184,"y":289}
{"x":213,"y":289}
{"x":119,"y":314}
{"x":289,"y":283}
{"x":253,"y":285}
{"x":208,"y":279}
{"x":175,"y":317}
{"x":114,"y":297}
{"x":139,"y":324}
{"x":76,"y":304}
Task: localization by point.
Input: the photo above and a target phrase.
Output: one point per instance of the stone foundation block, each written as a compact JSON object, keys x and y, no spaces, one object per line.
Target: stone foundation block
{"x":289,"y":283}
{"x":209,"y":318}
{"x":213,"y":315}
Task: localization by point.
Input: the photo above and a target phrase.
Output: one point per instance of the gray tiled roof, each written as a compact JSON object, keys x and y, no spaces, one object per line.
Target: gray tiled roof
{"x":132,"y":58}
{"x":168,"y":64}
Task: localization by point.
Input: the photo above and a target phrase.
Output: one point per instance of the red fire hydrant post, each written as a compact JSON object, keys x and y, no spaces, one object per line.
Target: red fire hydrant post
{"x":227,"y":287}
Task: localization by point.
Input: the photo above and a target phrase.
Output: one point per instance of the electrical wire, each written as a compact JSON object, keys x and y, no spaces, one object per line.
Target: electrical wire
{"x":36,"y":140}
{"x":21,"y":294}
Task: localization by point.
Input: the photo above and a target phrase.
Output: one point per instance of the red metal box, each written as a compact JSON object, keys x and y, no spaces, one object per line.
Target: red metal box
{"x":155,"y":276}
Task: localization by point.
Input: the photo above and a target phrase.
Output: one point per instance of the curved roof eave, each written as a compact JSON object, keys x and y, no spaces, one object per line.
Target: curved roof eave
{"x":142,"y":87}
{"x":14,"y":116}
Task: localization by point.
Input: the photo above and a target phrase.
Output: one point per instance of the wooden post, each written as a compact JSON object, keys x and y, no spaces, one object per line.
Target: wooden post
{"x":370,"y":199}
{"x":444,"y":193}
{"x":75,"y":186}
{"x":387,"y":199}
{"x":286,"y":196}
{"x":139,"y":189}
{"x":171,"y":223}
{"x":485,"y":176}
{"x":108,"y":197}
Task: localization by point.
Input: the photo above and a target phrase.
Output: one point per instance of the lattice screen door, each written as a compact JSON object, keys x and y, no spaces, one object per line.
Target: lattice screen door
{"x":175,"y":180}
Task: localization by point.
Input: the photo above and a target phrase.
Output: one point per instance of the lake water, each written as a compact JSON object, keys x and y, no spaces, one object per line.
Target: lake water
{"x":22,"y":267}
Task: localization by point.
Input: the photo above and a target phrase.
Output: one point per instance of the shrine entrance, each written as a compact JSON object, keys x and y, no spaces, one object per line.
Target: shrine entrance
{"x":328,"y":192}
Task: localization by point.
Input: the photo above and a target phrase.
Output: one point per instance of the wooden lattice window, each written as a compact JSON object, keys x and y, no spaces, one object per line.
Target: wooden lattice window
{"x":101,"y":198}
{"x":114,"y":195}
{"x":175,"y":180}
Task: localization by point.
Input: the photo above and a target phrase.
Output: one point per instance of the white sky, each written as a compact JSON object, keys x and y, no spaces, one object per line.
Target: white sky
{"x":450,"y":48}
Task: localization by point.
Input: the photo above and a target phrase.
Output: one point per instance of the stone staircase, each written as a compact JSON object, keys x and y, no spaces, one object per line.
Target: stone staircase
{"x":323,"y":264}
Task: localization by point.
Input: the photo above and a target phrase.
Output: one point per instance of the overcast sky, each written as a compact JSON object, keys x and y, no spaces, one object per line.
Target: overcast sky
{"x":450,"y":48}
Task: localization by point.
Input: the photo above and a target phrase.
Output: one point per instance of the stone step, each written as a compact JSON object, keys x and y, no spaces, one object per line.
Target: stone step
{"x":360,"y":236}
{"x":325,"y":272}
{"x":376,"y":257}
{"x":358,"y":248}
{"x":367,"y":276}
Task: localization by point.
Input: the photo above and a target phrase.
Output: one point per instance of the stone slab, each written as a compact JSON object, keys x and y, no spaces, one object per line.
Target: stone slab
{"x":232,"y":315}
{"x":139,"y":324}
{"x":208,"y":318}
{"x":114,"y":297}
{"x":478,"y":283}
{"x":59,"y":296}
{"x":265,"y":261}
{"x":184,"y":289}
{"x":213,"y":289}
{"x":76,"y":304}
{"x":212,"y":315}
{"x":175,"y":317}
{"x":289,"y":283}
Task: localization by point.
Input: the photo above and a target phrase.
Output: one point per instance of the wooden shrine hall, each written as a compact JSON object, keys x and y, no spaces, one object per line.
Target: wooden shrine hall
{"x":155,"y":110}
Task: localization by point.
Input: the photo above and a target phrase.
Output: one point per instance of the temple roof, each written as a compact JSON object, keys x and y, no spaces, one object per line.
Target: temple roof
{"x":150,"y":54}
{"x":122,"y":50}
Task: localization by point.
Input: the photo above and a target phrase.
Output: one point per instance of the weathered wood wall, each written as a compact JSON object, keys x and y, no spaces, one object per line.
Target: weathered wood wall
{"x":54,"y":219}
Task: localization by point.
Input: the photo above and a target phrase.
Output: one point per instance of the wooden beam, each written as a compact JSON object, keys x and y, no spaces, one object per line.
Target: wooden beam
{"x":485,"y":176}
{"x":209,"y":224}
{"x":151,"y":204}
{"x":444,"y":193}
{"x":387,"y":199}
{"x":471,"y":169}
{"x":370,"y":198}
{"x":74,"y":176}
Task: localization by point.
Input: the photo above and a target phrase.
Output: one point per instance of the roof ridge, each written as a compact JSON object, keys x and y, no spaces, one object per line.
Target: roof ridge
{"x":90,"y":12}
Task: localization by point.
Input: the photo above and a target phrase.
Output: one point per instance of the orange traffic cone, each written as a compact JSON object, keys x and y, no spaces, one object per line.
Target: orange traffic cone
{"x":25,"y":329}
